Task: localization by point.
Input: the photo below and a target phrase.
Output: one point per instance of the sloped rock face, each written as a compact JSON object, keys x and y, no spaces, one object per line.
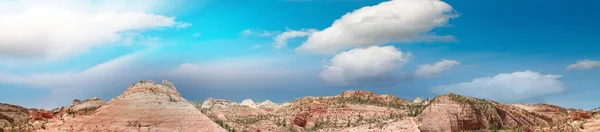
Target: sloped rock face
{"x":367,"y":95}
{"x":404,"y":125}
{"x":144,"y":106}
{"x":595,"y":111}
{"x":360,"y":110}
{"x":249,"y":103}
{"x":591,"y":125}
{"x":420,"y":101}
{"x":78,"y":107}
{"x":88,"y":105}
{"x":211,"y":102}
{"x":267,"y":103}
{"x":12,"y":115}
{"x":451,"y":112}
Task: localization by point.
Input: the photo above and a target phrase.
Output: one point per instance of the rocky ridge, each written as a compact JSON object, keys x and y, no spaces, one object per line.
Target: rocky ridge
{"x":12,"y":115}
{"x":144,"y":106}
{"x":365,"y":111}
{"x":148,"y":106}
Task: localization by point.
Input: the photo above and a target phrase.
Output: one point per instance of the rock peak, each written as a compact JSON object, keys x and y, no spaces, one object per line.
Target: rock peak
{"x":144,"y":106}
{"x":249,"y":103}
{"x":146,"y":89}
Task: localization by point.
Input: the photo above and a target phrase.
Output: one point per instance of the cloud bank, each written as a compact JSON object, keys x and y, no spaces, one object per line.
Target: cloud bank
{"x":512,"y":87}
{"x":365,"y":66}
{"x":281,"y":40}
{"x":54,"y":32}
{"x":427,"y":71}
{"x":583,"y":65}
{"x":391,"y":21}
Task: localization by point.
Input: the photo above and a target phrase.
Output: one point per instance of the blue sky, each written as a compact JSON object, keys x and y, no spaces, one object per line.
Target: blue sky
{"x":513,"y":51}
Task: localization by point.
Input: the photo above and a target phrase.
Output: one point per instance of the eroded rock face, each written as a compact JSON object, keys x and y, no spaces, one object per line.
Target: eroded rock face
{"x":217,"y":103}
{"x":451,"y":112}
{"x":595,"y":111}
{"x":87,"y":106}
{"x":268,"y":103}
{"x":420,"y":101}
{"x":361,"y":110}
{"x":147,"y":106}
{"x":12,"y":115}
{"x":144,"y":106}
{"x":367,"y":95}
{"x":249,"y":103}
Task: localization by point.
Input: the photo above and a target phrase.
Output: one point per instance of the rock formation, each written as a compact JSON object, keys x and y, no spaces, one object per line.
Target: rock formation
{"x":420,"y":101}
{"x":451,"y":112}
{"x":211,"y":102}
{"x":12,"y":115}
{"x":356,"y":110}
{"x":85,"y":107}
{"x":249,"y":103}
{"x":144,"y":106}
{"x":595,"y":111}
{"x":147,"y":106}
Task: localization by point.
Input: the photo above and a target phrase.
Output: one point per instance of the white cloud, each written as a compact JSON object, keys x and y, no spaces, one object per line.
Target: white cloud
{"x":390,"y":21}
{"x":183,"y":25}
{"x":513,"y":87}
{"x":435,"y":69}
{"x":584,"y":64}
{"x":281,"y":40}
{"x":53,"y":32}
{"x":365,"y":66}
{"x":257,"y":32}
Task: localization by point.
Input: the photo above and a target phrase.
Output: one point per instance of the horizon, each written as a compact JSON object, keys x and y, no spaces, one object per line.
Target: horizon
{"x":514,"y":51}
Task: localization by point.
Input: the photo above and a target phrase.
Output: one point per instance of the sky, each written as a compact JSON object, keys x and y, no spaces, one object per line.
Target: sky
{"x":511,"y":51}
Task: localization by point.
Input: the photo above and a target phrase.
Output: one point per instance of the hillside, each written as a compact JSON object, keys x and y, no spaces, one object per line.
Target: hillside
{"x":148,"y":106}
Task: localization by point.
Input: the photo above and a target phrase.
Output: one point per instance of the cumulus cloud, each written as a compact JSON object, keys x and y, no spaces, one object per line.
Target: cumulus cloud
{"x":390,"y":21}
{"x":49,"y":32}
{"x":512,"y":87}
{"x":434,"y":70}
{"x":365,"y":66}
{"x":281,"y":40}
{"x":584,"y":64}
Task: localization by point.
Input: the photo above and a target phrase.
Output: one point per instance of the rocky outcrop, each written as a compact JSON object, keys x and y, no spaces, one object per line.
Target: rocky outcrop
{"x":420,"y":101}
{"x":595,"y":111}
{"x":370,"y":96}
{"x":268,"y":103}
{"x":451,"y":112}
{"x":12,"y":115}
{"x":85,"y":107}
{"x":591,"y":125}
{"x":147,"y":106}
{"x":405,"y":125}
{"x":144,"y":106}
{"x":249,"y":103}
{"x":217,"y":103}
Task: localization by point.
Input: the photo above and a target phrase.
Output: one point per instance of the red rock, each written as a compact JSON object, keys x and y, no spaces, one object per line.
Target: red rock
{"x":579,"y":115}
{"x":301,"y":119}
{"x":35,"y":115}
